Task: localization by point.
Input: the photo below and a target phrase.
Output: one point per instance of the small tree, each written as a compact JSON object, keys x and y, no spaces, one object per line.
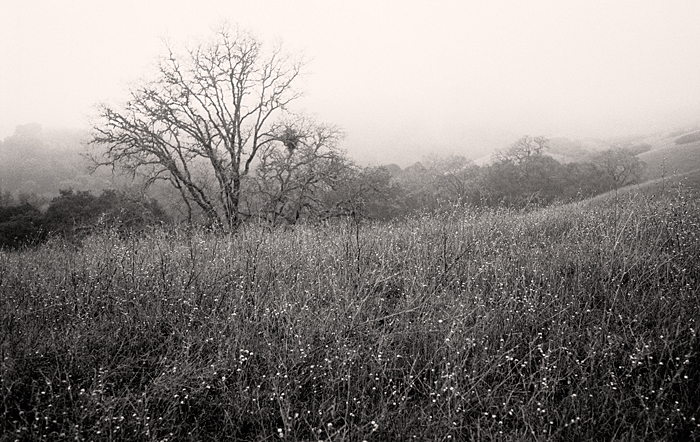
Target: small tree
{"x":523,"y":175}
{"x":202,"y":122}
{"x":524,"y":149}
{"x":621,"y":166}
{"x":72,"y":212}
{"x":455,"y":179}
{"x":363,"y":192}
{"x":6,"y":198}
{"x":289,"y":182}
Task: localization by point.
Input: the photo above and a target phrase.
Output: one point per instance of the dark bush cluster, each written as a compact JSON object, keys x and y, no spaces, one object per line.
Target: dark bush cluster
{"x":73,"y":214}
{"x":520,"y":177}
{"x":20,"y":225}
{"x":312,"y":182}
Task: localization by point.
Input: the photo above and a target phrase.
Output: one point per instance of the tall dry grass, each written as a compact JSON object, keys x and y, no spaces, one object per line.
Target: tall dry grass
{"x":575,"y":322}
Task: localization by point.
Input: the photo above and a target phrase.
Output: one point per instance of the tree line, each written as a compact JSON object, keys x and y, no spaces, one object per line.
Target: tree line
{"x":302,"y":186}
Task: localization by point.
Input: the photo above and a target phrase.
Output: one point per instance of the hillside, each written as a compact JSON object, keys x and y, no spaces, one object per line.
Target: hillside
{"x":37,"y":163}
{"x":687,"y":184}
{"x":40,"y":162}
{"x":663,"y":156}
{"x":671,"y":159}
{"x":574,"y":322}
{"x":688,"y":181}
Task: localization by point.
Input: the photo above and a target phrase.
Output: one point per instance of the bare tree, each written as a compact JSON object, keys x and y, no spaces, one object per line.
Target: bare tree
{"x":203,"y":121}
{"x":525,"y":148}
{"x":453,"y":177}
{"x":621,"y":166}
{"x":290,"y":181}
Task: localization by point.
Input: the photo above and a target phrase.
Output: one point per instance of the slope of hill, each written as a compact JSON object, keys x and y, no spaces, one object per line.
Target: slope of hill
{"x":687,"y":183}
{"x":38,"y":162}
{"x":577,"y":323}
{"x":663,"y":155}
{"x":671,"y":159}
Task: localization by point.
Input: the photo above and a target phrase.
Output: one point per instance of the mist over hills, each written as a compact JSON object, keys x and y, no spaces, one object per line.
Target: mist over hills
{"x":36,"y":162}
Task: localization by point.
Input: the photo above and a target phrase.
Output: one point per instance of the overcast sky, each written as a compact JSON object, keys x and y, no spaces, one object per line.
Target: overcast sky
{"x":402,"y":78}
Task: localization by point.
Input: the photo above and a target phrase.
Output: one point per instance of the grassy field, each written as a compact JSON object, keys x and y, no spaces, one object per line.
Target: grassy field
{"x":574,"y":322}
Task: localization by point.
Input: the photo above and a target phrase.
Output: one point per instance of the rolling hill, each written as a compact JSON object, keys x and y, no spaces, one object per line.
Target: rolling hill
{"x":671,"y":159}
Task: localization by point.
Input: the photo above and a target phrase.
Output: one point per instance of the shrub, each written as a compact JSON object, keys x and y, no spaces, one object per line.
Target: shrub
{"x":20,"y":225}
{"x":74,"y":214}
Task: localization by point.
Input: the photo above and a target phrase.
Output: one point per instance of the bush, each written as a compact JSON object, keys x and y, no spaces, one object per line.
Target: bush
{"x":73,"y":214}
{"x":20,"y":225}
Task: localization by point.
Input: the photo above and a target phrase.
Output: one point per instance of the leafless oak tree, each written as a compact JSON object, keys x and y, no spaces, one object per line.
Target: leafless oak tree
{"x":290,"y":182}
{"x":204,"y":120}
{"x":525,"y":148}
{"x":621,"y":166}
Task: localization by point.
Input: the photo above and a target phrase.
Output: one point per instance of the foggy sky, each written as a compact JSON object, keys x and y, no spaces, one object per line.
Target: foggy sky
{"x":402,"y":78}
